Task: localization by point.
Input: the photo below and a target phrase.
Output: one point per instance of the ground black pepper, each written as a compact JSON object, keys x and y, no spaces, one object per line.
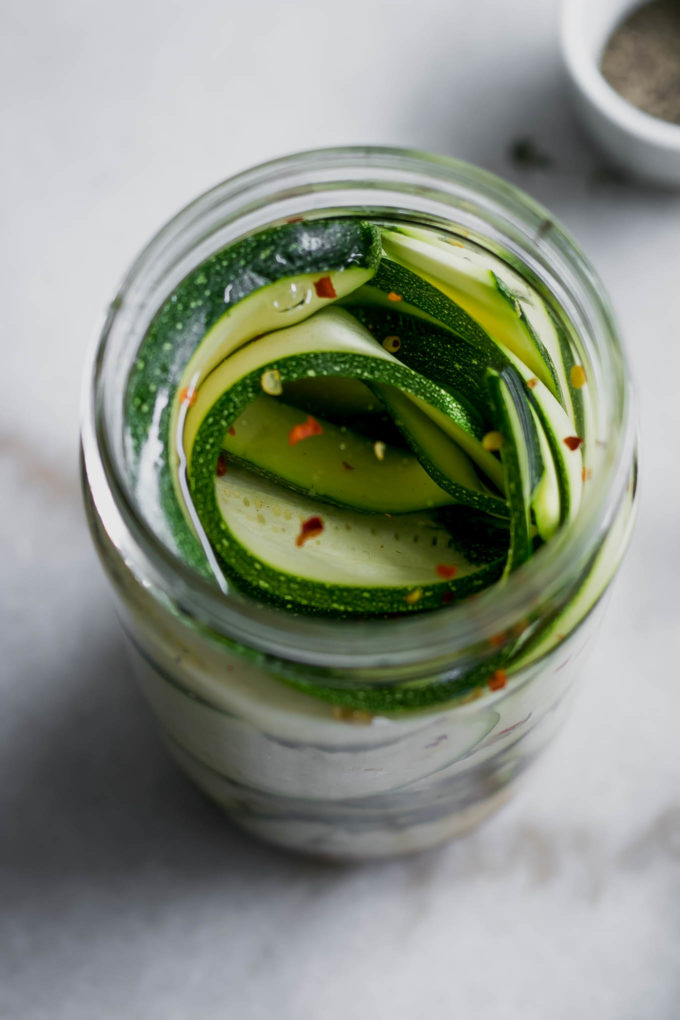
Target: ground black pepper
{"x":642,"y":59}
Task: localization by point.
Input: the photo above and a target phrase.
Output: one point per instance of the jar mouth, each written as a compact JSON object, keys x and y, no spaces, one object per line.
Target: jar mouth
{"x":402,"y":182}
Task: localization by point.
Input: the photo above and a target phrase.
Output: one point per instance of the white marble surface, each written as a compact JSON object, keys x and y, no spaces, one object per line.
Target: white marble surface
{"x":123,"y":893}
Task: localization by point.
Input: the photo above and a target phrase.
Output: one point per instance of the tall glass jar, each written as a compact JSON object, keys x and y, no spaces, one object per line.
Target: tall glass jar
{"x":228,"y":678}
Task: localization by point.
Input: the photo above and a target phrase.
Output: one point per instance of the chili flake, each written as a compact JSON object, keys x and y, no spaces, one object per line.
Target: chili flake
{"x":573,"y":442}
{"x":446,"y":570}
{"x":188,"y":396}
{"x":311,"y":528}
{"x":231,"y":430}
{"x":533,"y":382}
{"x":304,"y":430}
{"x":221,"y":468}
{"x":393,"y":297}
{"x":497,"y":680}
{"x":347,"y":467}
{"x":492,"y":441}
{"x":324,"y":288}
{"x":295,"y":219}
{"x":270,"y":381}
{"x":414,"y":596}
{"x":496,"y":640}
{"x":586,"y":474}
{"x":391,"y":344}
{"x":379,"y":449}
{"x":577,"y":376}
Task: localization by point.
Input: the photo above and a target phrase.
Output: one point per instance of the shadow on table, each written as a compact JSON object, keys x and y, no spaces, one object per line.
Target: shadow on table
{"x":526,"y":132}
{"x":96,"y":798}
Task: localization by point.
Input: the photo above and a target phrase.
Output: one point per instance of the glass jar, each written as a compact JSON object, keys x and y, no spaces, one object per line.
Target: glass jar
{"x":227,"y":678}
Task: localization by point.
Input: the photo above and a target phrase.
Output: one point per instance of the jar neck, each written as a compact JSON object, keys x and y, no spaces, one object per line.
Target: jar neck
{"x":383,"y":184}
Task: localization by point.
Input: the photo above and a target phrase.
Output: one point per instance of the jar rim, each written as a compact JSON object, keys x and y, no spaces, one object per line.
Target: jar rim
{"x":372,"y":647}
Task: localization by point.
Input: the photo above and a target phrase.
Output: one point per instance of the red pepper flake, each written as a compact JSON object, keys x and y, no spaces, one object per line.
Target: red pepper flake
{"x":531,"y":383}
{"x":448,"y":597}
{"x":393,"y":297}
{"x":231,"y":430}
{"x":188,"y":396}
{"x":586,"y":474}
{"x":295,"y":219}
{"x":446,"y":570}
{"x":221,"y":464}
{"x":311,"y":528}
{"x":324,"y":288}
{"x":496,"y":640}
{"x":497,"y":680}
{"x":304,"y":430}
{"x":573,"y":442}
{"x":347,"y":467}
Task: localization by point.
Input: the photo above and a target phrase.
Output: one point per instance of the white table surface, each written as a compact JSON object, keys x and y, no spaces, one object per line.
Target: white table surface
{"x":123,"y":893}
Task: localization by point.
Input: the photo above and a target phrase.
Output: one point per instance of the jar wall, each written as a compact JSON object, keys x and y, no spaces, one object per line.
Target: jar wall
{"x":288,"y":767}
{"x":295,"y":771}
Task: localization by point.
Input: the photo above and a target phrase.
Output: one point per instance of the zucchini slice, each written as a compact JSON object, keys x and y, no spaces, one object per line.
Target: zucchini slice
{"x":442,"y":357}
{"x":521,"y":456}
{"x":473,"y":280}
{"x":394,"y":287}
{"x":359,"y":563}
{"x":431,"y":438}
{"x":336,"y":466}
{"x":558,"y":430}
{"x":261,"y":283}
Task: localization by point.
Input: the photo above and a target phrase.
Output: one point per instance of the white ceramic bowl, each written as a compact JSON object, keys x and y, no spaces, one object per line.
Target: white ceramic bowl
{"x":636,"y":142}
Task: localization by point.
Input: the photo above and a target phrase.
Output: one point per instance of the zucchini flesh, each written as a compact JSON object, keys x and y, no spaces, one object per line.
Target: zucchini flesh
{"x":337,"y":466}
{"x":337,"y":571}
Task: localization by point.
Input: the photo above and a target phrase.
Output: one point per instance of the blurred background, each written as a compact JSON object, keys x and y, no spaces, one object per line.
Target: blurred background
{"x":122,"y":892}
